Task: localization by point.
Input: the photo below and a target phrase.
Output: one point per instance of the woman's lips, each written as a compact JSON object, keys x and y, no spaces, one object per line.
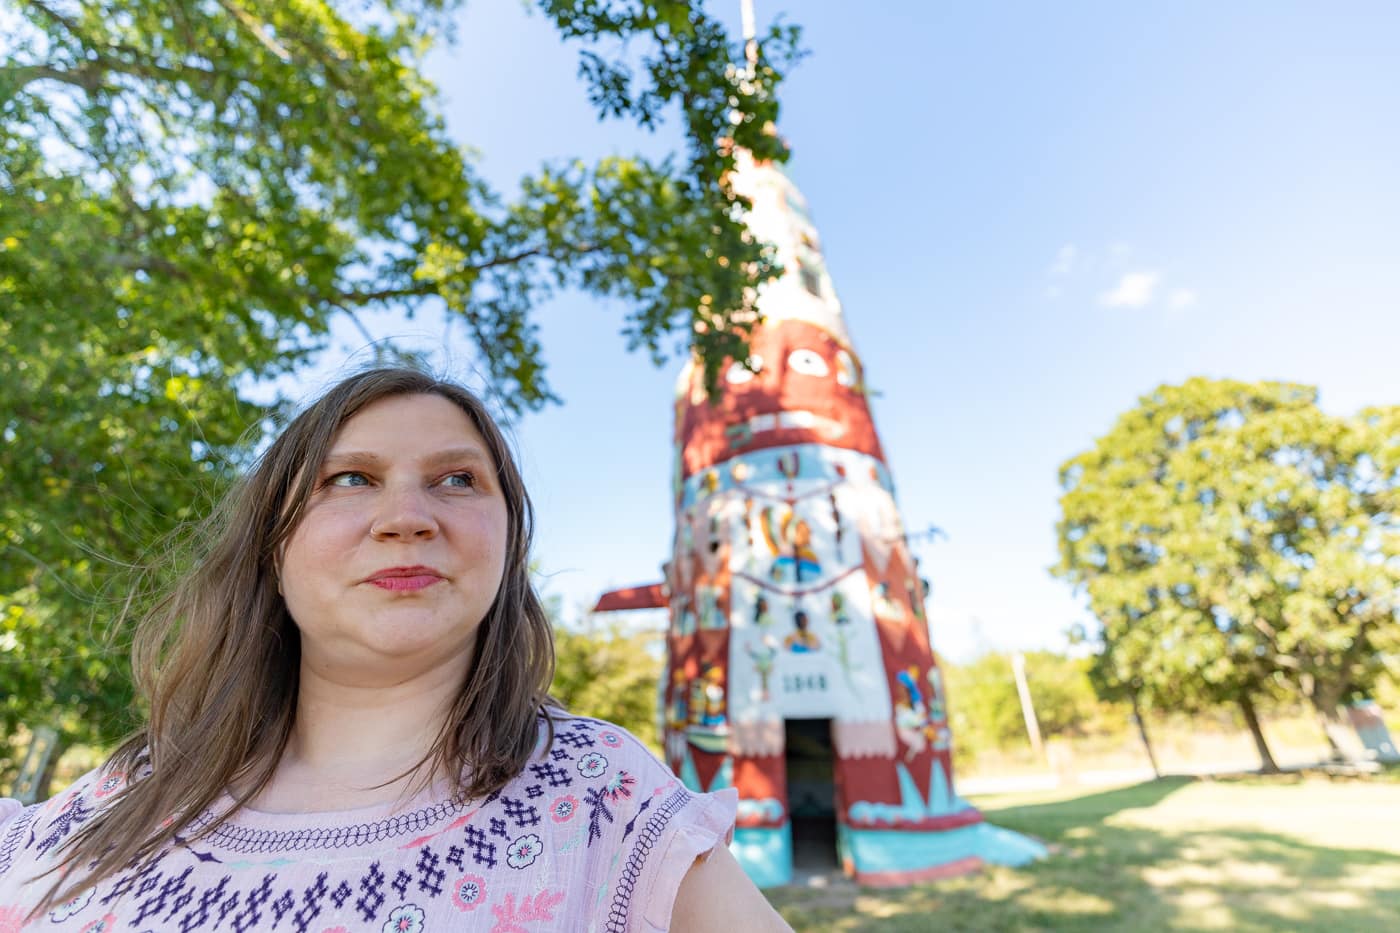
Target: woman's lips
{"x":416,"y":582}
{"x":405,"y":578}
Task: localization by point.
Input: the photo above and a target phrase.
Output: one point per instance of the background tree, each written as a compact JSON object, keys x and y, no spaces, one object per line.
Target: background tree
{"x":1233,"y":540}
{"x":605,"y":670}
{"x":985,"y":709}
{"x":191,"y":192}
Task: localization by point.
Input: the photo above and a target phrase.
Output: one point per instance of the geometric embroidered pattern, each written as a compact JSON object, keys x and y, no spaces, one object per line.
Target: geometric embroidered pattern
{"x":483,"y":852}
{"x":234,"y":838}
{"x":430,"y":864}
{"x":521,"y":812}
{"x":556,"y":776}
{"x":576,"y":739}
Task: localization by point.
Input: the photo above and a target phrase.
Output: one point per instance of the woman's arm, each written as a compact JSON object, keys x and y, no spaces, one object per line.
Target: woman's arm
{"x":717,"y":897}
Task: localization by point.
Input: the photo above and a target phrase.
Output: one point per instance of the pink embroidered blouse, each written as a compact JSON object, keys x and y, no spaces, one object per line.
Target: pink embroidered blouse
{"x":595,"y":834}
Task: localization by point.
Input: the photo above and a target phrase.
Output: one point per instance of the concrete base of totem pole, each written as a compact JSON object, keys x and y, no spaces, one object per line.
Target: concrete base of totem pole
{"x":941,"y":835}
{"x":887,"y":858}
{"x":765,"y":855}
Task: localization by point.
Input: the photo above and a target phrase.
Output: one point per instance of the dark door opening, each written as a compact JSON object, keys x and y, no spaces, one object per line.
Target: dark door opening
{"x":811,"y":794}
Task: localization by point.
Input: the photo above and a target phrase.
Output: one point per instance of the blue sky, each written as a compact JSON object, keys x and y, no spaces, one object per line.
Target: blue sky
{"x":1033,"y":214}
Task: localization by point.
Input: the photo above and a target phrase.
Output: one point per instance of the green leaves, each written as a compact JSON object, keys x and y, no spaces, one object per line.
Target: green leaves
{"x":1232,"y":537}
{"x":190,"y":194}
{"x":606,"y":671}
{"x":986,"y":710}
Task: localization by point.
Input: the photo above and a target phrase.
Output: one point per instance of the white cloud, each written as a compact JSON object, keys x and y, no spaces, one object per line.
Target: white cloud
{"x":1134,"y":290}
{"x":1064,"y":261}
{"x":1181,"y":299}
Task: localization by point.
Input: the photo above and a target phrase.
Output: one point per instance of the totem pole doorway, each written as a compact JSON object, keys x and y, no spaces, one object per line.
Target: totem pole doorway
{"x":811,"y":787}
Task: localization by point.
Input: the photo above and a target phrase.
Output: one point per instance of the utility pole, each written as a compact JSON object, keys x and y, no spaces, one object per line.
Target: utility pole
{"x":1018,"y":667}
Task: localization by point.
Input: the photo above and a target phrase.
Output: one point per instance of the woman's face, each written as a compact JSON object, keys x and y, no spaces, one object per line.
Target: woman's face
{"x":401,"y":548}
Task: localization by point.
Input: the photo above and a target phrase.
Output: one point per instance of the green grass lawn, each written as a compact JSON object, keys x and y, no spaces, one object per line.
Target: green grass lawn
{"x":1250,"y":853}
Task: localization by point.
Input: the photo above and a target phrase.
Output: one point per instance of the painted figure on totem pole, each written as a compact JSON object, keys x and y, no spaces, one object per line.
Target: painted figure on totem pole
{"x":799,"y":665}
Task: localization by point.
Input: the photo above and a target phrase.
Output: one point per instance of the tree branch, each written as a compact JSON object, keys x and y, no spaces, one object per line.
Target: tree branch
{"x":91,"y":75}
{"x":88,"y":77}
{"x":137,"y":262}
{"x":257,"y":29}
{"x":424,"y":289}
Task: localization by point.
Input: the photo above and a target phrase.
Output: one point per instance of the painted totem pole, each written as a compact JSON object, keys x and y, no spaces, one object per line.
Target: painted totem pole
{"x":796,"y":611}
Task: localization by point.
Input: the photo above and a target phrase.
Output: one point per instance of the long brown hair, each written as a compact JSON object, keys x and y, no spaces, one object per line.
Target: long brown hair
{"x":217,"y":655}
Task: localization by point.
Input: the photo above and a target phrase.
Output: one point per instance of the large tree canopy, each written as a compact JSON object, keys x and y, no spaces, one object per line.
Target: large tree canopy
{"x":1233,"y":538}
{"x":191,"y":192}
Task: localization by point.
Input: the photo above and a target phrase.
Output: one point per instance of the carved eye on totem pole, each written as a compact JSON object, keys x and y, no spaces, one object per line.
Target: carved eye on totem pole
{"x":802,"y":385}
{"x":808,"y":363}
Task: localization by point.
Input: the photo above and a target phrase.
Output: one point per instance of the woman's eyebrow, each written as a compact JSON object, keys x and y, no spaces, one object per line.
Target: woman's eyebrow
{"x":350,"y":458}
{"x":473,"y":456}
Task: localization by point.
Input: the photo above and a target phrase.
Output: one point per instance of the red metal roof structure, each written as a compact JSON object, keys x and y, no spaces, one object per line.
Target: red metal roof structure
{"x":651,"y":596}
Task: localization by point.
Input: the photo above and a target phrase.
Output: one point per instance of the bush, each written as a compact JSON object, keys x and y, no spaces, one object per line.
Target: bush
{"x":607,"y":671}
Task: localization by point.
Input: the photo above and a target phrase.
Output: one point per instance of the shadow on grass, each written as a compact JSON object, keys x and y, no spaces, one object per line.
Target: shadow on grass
{"x":1106,"y":875}
{"x":1090,"y":808}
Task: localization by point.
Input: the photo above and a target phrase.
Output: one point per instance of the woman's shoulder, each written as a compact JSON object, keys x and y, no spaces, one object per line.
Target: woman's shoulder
{"x":575,"y":735}
{"x":606,"y":770}
{"x":644,"y":828}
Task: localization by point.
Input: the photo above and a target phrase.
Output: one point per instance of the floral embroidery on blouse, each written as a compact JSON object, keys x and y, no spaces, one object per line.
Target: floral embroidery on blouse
{"x":110,"y":785}
{"x":523,"y":851}
{"x":592,"y":764}
{"x":510,"y":918}
{"x":469,"y":892}
{"x":406,"y":919}
{"x":10,"y":919}
{"x":620,"y":786}
{"x":412,"y":870}
{"x":70,"y":907}
{"x":104,"y":924}
{"x":563,"y":808}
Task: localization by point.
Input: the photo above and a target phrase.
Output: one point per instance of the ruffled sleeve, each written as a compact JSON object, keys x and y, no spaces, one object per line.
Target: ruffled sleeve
{"x":664,"y":828}
{"x":706,"y":823}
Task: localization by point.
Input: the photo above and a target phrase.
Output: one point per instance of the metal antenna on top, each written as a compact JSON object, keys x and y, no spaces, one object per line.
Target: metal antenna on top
{"x":750,"y":42}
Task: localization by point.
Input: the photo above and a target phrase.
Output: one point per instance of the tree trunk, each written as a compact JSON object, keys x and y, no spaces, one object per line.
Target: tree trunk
{"x":1333,"y":729}
{"x":1142,"y":731}
{"x":1251,"y":719}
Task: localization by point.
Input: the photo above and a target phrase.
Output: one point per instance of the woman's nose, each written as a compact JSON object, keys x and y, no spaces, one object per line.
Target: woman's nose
{"x":403,"y":514}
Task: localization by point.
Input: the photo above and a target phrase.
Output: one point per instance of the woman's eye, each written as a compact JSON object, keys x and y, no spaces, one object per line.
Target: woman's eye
{"x":460,"y":481}
{"x":807,"y":362}
{"x":347,"y":479}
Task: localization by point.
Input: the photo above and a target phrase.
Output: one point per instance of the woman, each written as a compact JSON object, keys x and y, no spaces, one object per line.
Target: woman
{"x":349,"y":725}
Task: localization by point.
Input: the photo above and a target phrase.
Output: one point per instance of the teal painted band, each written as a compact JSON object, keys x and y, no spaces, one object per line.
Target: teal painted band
{"x":765,"y":854}
{"x":882,"y":850}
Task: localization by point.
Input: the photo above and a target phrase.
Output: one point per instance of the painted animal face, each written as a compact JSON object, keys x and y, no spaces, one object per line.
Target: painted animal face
{"x":807,"y":389}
